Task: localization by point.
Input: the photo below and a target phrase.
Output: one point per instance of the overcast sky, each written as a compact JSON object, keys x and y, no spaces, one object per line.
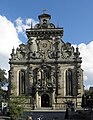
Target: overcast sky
{"x":75,"y":16}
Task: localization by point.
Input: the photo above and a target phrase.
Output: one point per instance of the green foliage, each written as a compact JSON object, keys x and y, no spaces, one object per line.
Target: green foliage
{"x":16,"y":106}
{"x":3,"y":80}
{"x":1,"y":99}
{"x":87,"y":92}
{"x":2,"y":75}
{"x":87,"y":99}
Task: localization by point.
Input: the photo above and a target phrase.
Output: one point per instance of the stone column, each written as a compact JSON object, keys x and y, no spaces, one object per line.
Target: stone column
{"x":52,"y":77}
{"x":11,"y":81}
{"x":30,"y":79}
{"x":30,"y":76}
{"x":36,"y":99}
{"x":53,"y":99}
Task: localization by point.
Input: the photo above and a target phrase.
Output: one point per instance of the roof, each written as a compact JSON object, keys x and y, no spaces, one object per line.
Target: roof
{"x":44,"y":15}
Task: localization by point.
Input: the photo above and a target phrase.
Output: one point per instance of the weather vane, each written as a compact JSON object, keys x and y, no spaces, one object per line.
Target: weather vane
{"x":44,"y":11}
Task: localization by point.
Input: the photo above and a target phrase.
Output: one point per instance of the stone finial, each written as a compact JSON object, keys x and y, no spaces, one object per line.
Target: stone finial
{"x":31,"y":25}
{"x":13,"y":50}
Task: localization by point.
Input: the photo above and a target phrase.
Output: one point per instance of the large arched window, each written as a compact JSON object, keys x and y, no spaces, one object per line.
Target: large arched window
{"x":69,"y":82}
{"x":22,"y":82}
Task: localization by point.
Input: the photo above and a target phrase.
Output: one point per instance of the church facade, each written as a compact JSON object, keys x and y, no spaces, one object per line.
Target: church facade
{"x":46,"y":69}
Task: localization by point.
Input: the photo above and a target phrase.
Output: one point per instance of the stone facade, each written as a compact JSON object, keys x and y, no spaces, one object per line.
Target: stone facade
{"x":46,"y":69}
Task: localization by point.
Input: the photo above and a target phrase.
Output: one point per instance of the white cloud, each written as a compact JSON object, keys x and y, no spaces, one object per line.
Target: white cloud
{"x":22,"y":25}
{"x":87,"y":64}
{"x":8,"y":39}
{"x":19,"y":25}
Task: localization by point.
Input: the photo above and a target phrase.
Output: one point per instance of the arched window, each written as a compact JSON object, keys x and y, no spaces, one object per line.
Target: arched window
{"x":48,"y":73}
{"x":35,"y":77}
{"x":22,"y":82}
{"x":69,"y":82}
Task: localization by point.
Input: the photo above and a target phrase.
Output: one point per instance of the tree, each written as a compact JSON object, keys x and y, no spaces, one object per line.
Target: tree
{"x":3,"y":81}
{"x":87,"y":92}
{"x":2,"y":75}
{"x":16,"y":106}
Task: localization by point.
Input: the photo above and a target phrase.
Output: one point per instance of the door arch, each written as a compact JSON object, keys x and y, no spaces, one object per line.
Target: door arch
{"x":45,"y":100}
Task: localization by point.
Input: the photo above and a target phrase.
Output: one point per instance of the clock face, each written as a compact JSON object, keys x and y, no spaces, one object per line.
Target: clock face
{"x":44,"y":45}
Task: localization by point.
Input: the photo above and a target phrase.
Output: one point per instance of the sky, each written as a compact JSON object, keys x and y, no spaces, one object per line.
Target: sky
{"x":75,"y":16}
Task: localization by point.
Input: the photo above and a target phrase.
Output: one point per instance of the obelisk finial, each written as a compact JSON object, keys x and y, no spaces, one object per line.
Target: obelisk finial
{"x":31,"y":25}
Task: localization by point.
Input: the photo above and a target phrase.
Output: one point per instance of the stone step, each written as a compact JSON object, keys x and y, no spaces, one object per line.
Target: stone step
{"x":4,"y":118}
{"x":45,"y":114}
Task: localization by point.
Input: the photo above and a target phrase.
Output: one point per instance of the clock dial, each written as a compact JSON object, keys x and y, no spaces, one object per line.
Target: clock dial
{"x":45,"y":45}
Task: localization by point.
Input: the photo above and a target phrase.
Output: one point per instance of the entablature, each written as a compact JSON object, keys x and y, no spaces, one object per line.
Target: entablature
{"x":43,"y":32}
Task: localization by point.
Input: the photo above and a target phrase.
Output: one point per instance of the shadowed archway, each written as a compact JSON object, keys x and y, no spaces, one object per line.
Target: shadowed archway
{"x":45,"y":101}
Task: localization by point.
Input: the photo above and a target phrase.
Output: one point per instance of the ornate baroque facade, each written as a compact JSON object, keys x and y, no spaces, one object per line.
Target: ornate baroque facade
{"x":46,"y":69}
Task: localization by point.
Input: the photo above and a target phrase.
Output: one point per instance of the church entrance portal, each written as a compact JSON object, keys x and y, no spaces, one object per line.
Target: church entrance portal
{"x":45,"y":100}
